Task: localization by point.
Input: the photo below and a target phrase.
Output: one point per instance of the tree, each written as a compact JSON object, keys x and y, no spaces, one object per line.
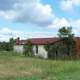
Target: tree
{"x":11,"y":43}
{"x":28,"y":48}
{"x":67,"y":37}
{"x":7,"y":46}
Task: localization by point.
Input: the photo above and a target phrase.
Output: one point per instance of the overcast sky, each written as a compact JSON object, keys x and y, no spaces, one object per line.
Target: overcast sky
{"x":37,"y":18}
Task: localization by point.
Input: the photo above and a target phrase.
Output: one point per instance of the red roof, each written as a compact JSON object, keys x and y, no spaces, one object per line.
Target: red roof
{"x":43,"y":41}
{"x":39,"y":41}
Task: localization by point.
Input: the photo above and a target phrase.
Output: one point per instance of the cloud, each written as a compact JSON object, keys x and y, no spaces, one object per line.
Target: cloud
{"x":6,"y":4}
{"x":59,"y":22}
{"x":27,"y":11}
{"x":68,"y":5}
{"x":6,"y":34}
{"x":34,"y":12}
{"x":9,"y":15}
{"x":76,"y":26}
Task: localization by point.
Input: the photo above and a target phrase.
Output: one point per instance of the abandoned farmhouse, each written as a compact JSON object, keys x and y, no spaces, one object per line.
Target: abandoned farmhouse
{"x":38,"y":45}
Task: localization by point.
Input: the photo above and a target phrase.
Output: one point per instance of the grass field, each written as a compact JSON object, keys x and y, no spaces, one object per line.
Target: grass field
{"x":23,"y":68}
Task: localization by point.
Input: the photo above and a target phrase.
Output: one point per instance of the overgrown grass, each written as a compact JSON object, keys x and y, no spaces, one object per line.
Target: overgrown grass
{"x":18,"y":67}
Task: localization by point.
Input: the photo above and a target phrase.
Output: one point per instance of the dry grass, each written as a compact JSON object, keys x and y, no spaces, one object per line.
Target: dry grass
{"x":24,"y":68}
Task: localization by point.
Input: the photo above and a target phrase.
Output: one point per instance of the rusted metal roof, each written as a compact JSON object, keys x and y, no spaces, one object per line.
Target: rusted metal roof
{"x":38,"y":41}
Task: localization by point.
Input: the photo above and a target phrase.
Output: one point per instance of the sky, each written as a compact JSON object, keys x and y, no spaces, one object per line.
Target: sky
{"x":37,"y":18}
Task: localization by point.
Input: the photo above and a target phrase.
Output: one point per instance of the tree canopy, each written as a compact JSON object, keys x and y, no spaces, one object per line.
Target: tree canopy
{"x":66,"y":34}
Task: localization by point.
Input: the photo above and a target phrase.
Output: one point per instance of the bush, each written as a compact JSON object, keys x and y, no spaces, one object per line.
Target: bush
{"x":28,"y":49}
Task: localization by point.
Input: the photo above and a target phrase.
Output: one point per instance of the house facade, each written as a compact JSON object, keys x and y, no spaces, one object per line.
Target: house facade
{"x":37,"y":46}
{"x":39,"y":43}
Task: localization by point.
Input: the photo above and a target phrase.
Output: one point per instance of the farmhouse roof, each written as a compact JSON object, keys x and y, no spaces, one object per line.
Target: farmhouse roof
{"x":38,"y":41}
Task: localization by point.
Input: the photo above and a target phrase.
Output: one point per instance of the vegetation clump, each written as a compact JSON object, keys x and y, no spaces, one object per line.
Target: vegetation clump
{"x":65,"y":47}
{"x":28,"y":49}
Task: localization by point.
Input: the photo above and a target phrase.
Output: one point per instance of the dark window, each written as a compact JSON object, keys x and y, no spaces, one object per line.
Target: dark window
{"x":36,"y":48}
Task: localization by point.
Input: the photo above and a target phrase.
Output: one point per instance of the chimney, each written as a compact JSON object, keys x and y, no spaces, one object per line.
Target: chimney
{"x":18,"y":41}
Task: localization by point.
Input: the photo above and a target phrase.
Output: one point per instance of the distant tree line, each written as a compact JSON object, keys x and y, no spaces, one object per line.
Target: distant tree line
{"x":7,"y":46}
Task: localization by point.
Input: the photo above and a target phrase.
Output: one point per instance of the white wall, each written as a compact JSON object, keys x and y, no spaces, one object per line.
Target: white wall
{"x":41,"y":51}
{"x":18,"y":48}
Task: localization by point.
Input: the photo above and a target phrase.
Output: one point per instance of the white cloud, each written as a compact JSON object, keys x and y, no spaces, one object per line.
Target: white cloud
{"x":68,"y":5}
{"x":32,"y":11}
{"x":76,"y":27}
{"x":8,"y":14}
{"x":6,"y":34}
{"x":58,"y":23}
{"x":76,"y":2}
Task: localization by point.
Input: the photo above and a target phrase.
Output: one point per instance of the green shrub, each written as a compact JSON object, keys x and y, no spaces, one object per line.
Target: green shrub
{"x":28,"y":49}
